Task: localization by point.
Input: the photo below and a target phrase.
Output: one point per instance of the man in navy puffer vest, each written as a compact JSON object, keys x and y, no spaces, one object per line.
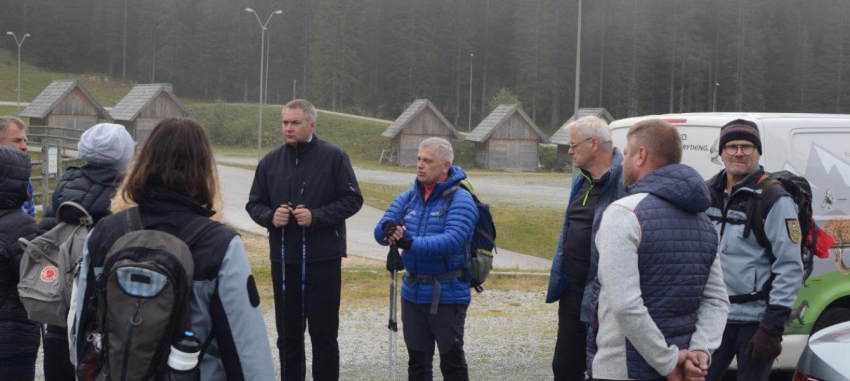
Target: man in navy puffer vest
{"x":434,"y":237}
{"x":659,"y":297}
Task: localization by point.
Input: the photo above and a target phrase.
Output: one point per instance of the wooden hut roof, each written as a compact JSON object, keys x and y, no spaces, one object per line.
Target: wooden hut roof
{"x":562,"y":136}
{"x":408,"y":115}
{"x":485,"y":129}
{"x":47,"y":100}
{"x":139,"y":97}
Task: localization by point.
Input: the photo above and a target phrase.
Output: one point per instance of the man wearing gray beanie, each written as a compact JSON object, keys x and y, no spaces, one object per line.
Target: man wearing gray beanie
{"x":106,"y":150}
{"x":762,"y":282}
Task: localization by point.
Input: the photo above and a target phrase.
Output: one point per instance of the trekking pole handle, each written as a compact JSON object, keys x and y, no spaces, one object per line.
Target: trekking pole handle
{"x":392,"y":325}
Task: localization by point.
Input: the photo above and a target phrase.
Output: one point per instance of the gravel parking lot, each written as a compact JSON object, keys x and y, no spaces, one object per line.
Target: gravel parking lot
{"x":510,"y":335}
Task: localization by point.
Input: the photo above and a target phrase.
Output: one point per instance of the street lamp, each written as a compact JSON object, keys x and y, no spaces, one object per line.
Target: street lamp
{"x":268,"y":54}
{"x":19,"y":64}
{"x":262,"y":53}
{"x":578,"y":62}
{"x":469,"y":121}
{"x":714,"y":98}
{"x":124,"y":55}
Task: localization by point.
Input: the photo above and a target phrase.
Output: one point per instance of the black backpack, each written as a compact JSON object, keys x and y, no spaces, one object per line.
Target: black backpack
{"x":801,"y":193}
{"x":139,"y":303}
{"x":483,"y":245}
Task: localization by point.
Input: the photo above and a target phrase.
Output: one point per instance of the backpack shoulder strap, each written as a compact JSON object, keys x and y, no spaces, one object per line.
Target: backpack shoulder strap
{"x":197,"y":229}
{"x":134,"y":220}
{"x":767,"y":188}
{"x":86,"y":219}
{"x":449,"y":195}
{"x":410,"y":196}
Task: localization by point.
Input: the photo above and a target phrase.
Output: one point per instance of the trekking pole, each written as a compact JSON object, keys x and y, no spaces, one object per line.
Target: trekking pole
{"x":303,"y":283}
{"x":283,"y":260}
{"x":393,"y":322}
{"x":303,"y":314}
{"x":283,"y":285}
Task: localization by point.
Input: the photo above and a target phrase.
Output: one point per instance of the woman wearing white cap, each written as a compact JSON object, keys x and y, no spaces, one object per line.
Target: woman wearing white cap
{"x":106,"y":150}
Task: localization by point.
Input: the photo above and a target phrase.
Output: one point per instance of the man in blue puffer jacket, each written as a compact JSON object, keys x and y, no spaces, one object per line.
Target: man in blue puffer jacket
{"x":434,"y":235}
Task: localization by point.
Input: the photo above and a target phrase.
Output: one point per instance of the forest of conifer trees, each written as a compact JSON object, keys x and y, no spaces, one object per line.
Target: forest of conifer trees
{"x":373,"y":57}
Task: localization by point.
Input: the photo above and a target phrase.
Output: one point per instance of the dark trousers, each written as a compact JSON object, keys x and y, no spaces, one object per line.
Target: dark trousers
{"x":57,"y":359}
{"x":570,"y":360}
{"x":18,"y":369}
{"x":422,"y":329}
{"x":736,"y":337}
{"x":323,"y":284}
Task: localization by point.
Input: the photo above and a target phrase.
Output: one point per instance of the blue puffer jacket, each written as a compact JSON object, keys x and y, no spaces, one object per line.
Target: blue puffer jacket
{"x":440,"y":238}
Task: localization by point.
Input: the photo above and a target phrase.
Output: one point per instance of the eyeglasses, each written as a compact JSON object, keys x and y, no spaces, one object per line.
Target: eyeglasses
{"x":574,"y":145}
{"x":746,"y":149}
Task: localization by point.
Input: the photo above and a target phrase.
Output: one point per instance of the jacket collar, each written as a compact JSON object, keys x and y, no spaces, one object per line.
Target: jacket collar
{"x":303,"y":147}
{"x":718,"y":183}
{"x":455,"y":175}
{"x":163,"y":201}
{"x":105,"y":176}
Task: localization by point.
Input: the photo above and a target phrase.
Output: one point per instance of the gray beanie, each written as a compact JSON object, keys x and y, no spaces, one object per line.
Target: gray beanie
{"x":107,"y":145}
{"x":740,"y":129}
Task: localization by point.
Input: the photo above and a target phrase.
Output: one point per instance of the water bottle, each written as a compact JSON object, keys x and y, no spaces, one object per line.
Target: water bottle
{"x":183,"y":360}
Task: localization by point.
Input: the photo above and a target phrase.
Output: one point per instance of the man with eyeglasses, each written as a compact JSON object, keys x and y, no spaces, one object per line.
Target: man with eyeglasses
{"x":596,"y":184}
{"x":762,"y":282}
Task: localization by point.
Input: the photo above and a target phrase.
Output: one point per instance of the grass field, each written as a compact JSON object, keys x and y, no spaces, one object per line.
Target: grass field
{"x":233,"y":128}
{"x":34,"y":80}
{"x":365,"y":280}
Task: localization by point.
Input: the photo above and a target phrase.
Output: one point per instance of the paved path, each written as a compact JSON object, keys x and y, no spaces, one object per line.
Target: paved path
{"x":518,"y":189}
{"x":353,"y":116}
{"x":236,"y":184}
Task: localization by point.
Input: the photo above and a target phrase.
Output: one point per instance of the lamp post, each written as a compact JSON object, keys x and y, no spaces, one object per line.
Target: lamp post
{"x":578,"y":61}
{"x":124,"y":55}
{"x":19,"y":64}
{"x":469,"y":120}
{"x":262,"y":62}
{"x":268,"y":54}
{"x":714,"y":97}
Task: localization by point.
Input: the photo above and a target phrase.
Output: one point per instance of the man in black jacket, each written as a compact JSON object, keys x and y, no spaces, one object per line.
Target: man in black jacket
{"x":19,"y":337}
{"x":303,"y":192}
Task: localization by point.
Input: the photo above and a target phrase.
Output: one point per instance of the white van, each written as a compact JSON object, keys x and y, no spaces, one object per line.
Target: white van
{"x":816,"y":146}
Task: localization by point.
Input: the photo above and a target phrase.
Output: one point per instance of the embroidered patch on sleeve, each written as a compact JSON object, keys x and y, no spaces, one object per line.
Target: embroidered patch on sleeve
{"x":794,"y":232}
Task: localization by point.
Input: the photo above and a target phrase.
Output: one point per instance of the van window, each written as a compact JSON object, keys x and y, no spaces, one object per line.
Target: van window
{"x":698,"y":143}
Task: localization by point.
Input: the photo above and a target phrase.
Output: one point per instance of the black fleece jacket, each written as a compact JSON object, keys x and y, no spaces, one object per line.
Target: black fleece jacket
{"x":318,"y":175}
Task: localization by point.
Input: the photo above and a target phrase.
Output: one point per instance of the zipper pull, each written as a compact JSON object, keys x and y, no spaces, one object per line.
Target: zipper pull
{"x":136,"y":313}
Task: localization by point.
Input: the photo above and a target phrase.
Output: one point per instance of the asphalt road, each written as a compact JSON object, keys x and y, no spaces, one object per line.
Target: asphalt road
{"x":236,"y":185}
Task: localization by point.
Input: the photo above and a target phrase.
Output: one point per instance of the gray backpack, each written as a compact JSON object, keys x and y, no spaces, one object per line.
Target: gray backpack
{"x":140,"y":302}
{"x":47,"y":269}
